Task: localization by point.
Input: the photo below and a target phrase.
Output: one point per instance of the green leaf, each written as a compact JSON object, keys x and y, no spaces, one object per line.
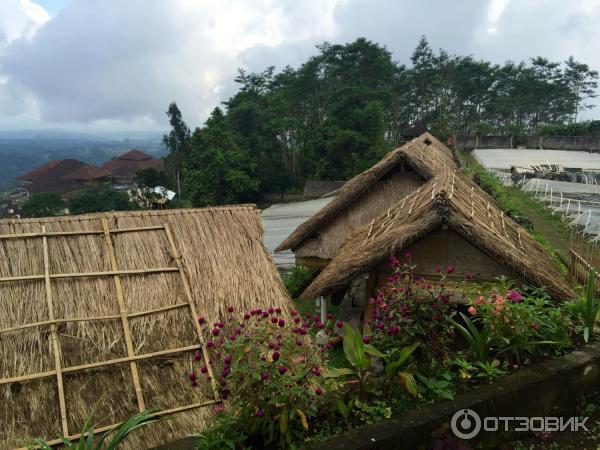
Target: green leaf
{"x":354,"y":348}
{"x":336,"y":372}
{"x":283,"y":421}
{"x":393,"y":367}
{"x":409,"y":382}
{"x":372,"y":350}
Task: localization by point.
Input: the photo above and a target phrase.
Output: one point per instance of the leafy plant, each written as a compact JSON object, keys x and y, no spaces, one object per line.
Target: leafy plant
{"x":440,"y":388}
{"x":489,"y":370}
{"x":465,"y":368}
{"x":392,"y":370}
{"x":225,"y":433}
{"x":89,"y":441}
{"x":479,"y":341}
{"x":590,"y":308}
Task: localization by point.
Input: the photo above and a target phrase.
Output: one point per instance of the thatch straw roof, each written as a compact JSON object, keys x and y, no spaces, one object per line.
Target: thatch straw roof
{"x":57,"y":299}
{"x":454,"y":200}
{"x":426,"y":155}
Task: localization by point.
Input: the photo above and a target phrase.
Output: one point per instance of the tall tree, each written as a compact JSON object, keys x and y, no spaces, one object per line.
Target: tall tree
{"x":177,"y":143}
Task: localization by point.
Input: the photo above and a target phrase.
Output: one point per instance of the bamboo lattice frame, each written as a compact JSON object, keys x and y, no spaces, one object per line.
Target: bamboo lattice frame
{"x":131,"y":358}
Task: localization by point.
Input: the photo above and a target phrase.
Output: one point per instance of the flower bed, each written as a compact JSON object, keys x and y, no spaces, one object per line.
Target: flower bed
{"x":281,"y":389}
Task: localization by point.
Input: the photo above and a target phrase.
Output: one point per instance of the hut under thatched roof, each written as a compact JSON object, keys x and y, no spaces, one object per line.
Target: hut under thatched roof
{"x":99,"y":315}
{"x":448,"y":221}
{"x":364,"y":197}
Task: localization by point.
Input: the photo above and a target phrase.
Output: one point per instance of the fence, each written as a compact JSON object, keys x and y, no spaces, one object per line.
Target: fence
{"x":585,"y":259}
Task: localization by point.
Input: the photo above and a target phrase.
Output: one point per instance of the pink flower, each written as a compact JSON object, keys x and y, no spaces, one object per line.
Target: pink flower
{"x":366,"y":339}
{"x":230,"y":309}
{"x":293,"y":312}
{"x":408,"y":255}
{"x":218,"y":409}
{"x":275,"y":356}
{"x":278,"y":310}
{"x":271,"y":310}
{"x":192,"y":376}
{"x":514,"y":296}
{"x":203,"y":369}
{"x":197,"y":355}
{"x":228,"y":359}
{"x":215,"y":331}
{"x":318,"y":390}
{"x":273,"y":319}
{"x":260,"y":413}
{"x":450,"y":269}
{"x":194,"y":384}
{"x":438,"y":269}
{"x":201,"y":320}
{"x":246,"y":316}
{"x":339,"y":324}
{"x":264,"y":376}
{"x":329,"y":316}
{"x":281,"y":323}
{"x":282,"y":370}
{"x":394,"y":261}
{"x":317,"y":372}
{"x":472,"y":310}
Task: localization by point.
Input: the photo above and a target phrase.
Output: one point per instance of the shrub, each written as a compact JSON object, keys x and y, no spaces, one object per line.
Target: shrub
{"x":297,"y":279}
{"x":410,"y":310}
{"x":270,"y":370}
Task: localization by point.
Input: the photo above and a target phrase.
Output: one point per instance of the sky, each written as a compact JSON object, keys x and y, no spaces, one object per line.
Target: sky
{"x":89,"y":65}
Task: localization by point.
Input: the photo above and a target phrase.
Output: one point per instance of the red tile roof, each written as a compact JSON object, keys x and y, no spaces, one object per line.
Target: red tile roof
{"x":35,"y":173}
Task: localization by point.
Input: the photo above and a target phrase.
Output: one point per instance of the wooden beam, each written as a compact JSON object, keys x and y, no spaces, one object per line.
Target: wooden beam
{"x":91,"y":274}
{"x":312,"y":261}
{"x":188,"y":293}
{"x":54,"y":339}
{"x":77,"y":233}
{"x":124,"y":320}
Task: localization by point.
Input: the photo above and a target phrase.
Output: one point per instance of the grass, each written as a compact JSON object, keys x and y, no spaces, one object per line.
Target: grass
{"x":548,"y":229}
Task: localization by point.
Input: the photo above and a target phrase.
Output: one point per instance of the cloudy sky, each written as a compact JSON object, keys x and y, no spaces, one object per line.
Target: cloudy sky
{"x":95,"y":65}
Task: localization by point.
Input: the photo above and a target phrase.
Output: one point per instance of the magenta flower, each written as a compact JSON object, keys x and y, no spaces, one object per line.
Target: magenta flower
{"x":339,"y":324}
{"x":320,"y":325}
{"x":273,"y":319}
{"x":264,"y":376}
{"x":275,"y":356}
{"x":438,"y":269}
{"x":225,"y":394}
{"x":293,"y":312}
{"x":303,"y":331}
{"x":297,"y":319}
{"x":215,"y":331}
{"x":197,"y":355}
{"x":210,"y":344}
{"x":203,"y":369}
{"x":192,"y":376}
{"x":450,"y":269}
{"x":201,"y":320}
{"x":228,"y":359}
{"x":394,"y":261}
{"x":264,"y":315}
{"x":514,"y":296}
{"x":317,"y":372}
{"x":408,"y":255}
{"x":246,"y":316}
{"x":472,"y":310}
{"x":366,"y":339}
{"x":194,"y":384}
{"x":258,"y":311}
{"x":260,"y":413}
{"x":278,"y":310}
{"x":271,"y":310}
{"x":281,"y":323}
{"x":329,"y":316}
{"x":282,"y":370}
{"x":468,"y":275}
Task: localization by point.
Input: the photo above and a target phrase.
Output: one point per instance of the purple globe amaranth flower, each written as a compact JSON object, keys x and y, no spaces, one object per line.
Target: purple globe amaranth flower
{"x":394,"y":261}
{"x":297,"y":319}
{"x":293,"y":312}
{"x":275,"y":356}
{"x":320,"y":325}
{"x":302,"y":331}
{"x":339,"y":324}
{"x":298,"y":342}
{"x":225,"y":372}
{"x":210,"y":344}
{"x":450,"y":269}
{"x":230,"y":309}
{"x":225,"y":394}
{"x":408,"y":255}
{"x":197,"y":355}
{"x":317,"y":372}
{"x":514,"y":296}
{"x":201,"y":320}
{"x":329,"y":316}
{"x":228,"y":359}
{"x":273,"y":319}
{"x":258,"y":311}
{"x":260,"y":413}
{"x":264,"y":314}
{"x":366,"y":339}
{"x":246,"y":316}
{"x":271,"y":310}
{"x":203,"y":369}
{"x":192,"y":376}
{"x":271,"y":345}
{"x":282,"y":370}
{"x":215,"y":331}
{"x":278,"y":310}
{"x":315,"y":318}
{"x":318,"y":390}
{"x":281,"y":323}
{"x":264,"y":376}
{"x":194,"y":384}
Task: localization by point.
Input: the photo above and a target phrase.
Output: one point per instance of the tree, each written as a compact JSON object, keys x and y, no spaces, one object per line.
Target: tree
{"x":44,"y":204}
{"x":100,"y":198}
{"x":582,"y":82}
{"x":151,"y":178}
{"x":218,"y":170}
{"x":177,"y":143}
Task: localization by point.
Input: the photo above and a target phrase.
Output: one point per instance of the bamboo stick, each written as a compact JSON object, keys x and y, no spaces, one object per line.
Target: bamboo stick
{"x":122,"y":310}
{"x":188,"y":294}
{"x":110,"y":362}
{"x":77,"y":233}
{"x":93,"y":319}
{"x":164,"y":412}
{"x":54,"y":339}
{"x":91,"y":274}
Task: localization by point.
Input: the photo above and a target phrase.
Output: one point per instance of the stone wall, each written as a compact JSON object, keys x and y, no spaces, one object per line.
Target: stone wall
{"x":578,"y":143}
{"x":319,"y":188}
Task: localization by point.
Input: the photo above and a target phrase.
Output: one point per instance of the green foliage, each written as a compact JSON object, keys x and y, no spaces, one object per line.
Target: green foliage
{"x":151,"y":178}
{"x":225,"y":433}
{"x":218,"y":171}
{"x":489,"y":370}
{"x":44,"y":204}
{"x":106,"y":441}
{"x":100,"y":198}
{"x":438,"y":388}
{"x":589,"y":308}
{"x":297,"y":279}
{"x":479,"y":341}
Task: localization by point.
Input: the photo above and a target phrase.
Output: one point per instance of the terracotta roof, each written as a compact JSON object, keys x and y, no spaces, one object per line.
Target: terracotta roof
{"x":87,"y":173}
{"x":125,"y":167}
{"x":134,"y":155}
{"x":53,"y":180}
{"x":35,"y":173}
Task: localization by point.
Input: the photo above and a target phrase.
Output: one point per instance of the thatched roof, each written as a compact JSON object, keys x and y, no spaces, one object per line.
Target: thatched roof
{"x":127,"y":165}
{"x":452,"y":199}
{"x":140,"y":307}
{"x":35,"y":173}
{"x":426,"y":155}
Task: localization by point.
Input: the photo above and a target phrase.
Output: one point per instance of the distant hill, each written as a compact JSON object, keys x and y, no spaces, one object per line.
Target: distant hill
{"x":22,"y":151}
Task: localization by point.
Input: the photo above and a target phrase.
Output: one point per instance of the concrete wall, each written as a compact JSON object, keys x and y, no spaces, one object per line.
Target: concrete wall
{"x":579,"y":143}
{"x":318,"y":188}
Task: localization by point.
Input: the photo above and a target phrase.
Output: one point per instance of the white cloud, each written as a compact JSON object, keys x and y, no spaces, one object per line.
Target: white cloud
{"x":115,"y":63}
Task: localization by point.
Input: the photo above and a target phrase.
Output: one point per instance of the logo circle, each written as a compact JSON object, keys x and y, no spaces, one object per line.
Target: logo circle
{"x":465,"y":424}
